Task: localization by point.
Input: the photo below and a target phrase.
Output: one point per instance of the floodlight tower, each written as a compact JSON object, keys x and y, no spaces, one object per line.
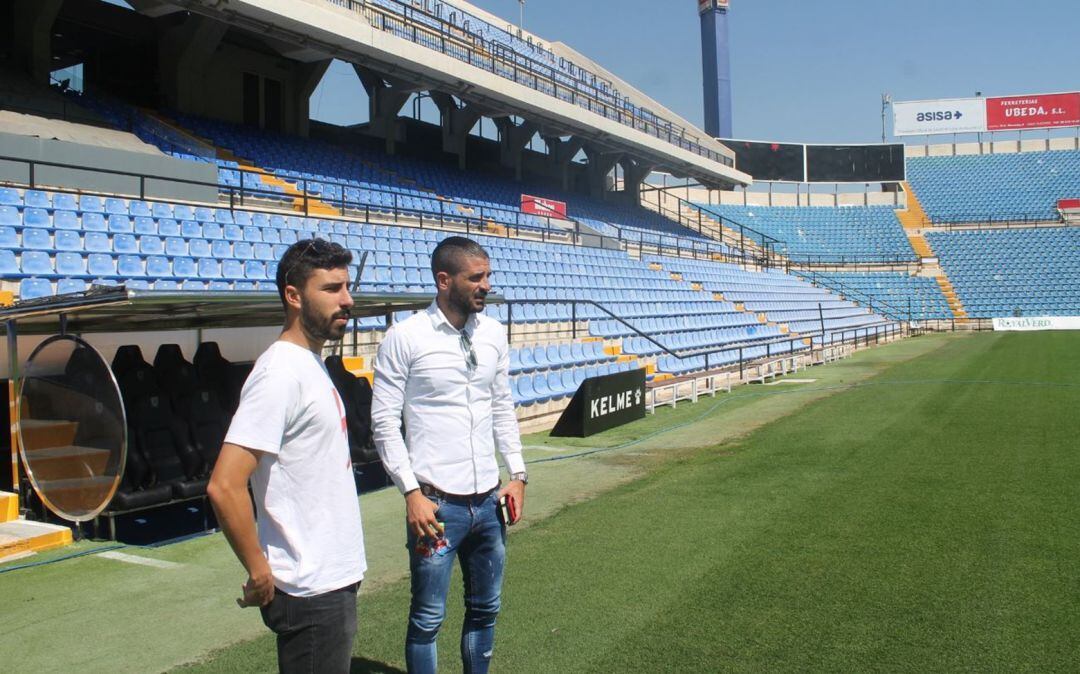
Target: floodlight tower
{"x":716,"y":66}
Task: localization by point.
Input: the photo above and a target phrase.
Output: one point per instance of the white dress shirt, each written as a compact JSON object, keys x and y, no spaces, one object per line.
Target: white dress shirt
{"x":455,"y":415}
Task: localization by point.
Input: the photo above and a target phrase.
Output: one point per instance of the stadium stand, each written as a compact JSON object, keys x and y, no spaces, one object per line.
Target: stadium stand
{"x":847,"y":233}
{"x":903,"y":295}
{"x":1017,"y":186}
{"x":1005,"y":272}
{"x":525,"y":61}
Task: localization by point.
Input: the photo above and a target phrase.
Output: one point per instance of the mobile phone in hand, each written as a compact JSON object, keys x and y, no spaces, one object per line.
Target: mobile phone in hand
{"x":508,"y":512}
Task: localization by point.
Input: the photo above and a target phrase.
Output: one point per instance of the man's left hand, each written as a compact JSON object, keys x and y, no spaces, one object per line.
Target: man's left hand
{"x":515,"y":489}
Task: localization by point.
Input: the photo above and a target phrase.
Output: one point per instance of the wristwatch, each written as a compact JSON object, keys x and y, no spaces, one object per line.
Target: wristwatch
{"x":522,"y":477}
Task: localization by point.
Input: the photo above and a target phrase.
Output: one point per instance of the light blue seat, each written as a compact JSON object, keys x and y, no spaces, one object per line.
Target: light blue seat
{"x":8,"y":265}
{"x":37,"y":239}
{"x":36,"y":217}
{"x":70,"y":264}
{"x":33,"y":288}
{"x":38,"y":199}
{"x":125,"y":243}
{"x":66,"y":286}
{"x":66,"y":220}
{"x":36,"y":263}
{"x":94,"y":222}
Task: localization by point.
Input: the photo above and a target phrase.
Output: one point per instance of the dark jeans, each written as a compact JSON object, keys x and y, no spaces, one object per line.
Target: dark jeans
{"x":314,"y":634}
{"x":477,"y":539}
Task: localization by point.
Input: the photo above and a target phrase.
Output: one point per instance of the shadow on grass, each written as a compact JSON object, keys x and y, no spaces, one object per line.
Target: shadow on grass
{"x":365,"y":666}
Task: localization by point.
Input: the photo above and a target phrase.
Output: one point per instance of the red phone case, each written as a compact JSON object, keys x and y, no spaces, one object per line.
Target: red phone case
{"x":508,"y":511}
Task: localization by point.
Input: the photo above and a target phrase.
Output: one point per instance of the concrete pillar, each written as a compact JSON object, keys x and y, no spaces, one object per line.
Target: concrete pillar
{"x":385,"y":100}
{"x":512,"y":141}
{"x":634,"y":174}
{"x":562,"y":153}
{"x":32,"y":36}
{"x":184,"y":53}
{"x":457,"y":121}
{"x":600,"y":164}
{"x":306,"y":76}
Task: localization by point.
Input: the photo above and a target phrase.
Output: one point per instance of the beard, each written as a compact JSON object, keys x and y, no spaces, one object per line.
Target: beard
{"x":464,"y":301}
{"x":323,"y":328}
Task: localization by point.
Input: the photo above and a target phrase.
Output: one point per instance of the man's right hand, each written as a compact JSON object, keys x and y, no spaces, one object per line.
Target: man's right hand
{"x":258,"y":590}
{"x":420,"y":515}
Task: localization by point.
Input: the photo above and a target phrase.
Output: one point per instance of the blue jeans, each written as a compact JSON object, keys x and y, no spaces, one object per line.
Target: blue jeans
{"x":475,"y":536}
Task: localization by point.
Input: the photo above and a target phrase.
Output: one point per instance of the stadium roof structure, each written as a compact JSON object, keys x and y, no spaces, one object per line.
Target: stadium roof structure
{"x":120,"y":309}
{"x":401,"y":48}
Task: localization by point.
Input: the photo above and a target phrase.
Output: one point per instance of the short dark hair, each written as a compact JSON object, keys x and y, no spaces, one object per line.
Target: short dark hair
{"x":304,"y":257}
{"x":447,"y":255}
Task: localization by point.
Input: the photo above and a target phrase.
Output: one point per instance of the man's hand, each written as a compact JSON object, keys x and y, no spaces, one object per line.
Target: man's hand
{"x":258,"y":590}
{"x":516,"y":490}
{"x":420,"y":515}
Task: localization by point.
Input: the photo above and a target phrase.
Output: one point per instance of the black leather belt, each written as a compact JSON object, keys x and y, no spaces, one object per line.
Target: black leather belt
{"x":435,"y":492}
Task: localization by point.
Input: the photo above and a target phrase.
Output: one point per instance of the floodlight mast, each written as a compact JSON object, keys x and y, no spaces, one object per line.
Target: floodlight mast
{"x":716,"y":66}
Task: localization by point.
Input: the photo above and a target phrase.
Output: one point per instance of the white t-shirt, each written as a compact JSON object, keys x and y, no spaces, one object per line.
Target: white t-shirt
{"x":305,"y":495}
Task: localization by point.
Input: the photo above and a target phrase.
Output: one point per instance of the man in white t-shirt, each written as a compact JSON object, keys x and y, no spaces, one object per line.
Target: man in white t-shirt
{"x":289,"y":437}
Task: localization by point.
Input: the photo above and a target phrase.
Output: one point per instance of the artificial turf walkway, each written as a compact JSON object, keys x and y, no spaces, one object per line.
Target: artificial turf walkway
{"x":923,"y":519}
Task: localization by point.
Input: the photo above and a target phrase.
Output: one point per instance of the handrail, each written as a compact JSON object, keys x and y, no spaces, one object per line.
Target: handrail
{"x":765,"y":242}
{"x":524,"y":69}
{"x":696,"y":354}
{"x":238,"y":195}
{"x":848,"y":291}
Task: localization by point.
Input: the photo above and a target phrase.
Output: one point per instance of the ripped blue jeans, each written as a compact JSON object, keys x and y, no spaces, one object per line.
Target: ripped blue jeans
{"x":475,"y":536}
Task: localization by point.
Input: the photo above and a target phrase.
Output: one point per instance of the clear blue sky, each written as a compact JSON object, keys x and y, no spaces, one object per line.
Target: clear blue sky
{"x":806,"y":71}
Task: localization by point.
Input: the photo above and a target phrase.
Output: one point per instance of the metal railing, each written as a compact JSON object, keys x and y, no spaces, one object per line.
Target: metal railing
{"x":244,"y":198}
{"x":874,"y":304}
{"x":825,"y":335}
{"x":401,"y":19}
{"x":732,"y":233}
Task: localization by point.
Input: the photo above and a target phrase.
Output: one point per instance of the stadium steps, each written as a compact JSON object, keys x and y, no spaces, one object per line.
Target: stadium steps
{"x":914,"y":219}
{"x":314,"y":205}
{"x":20,"y":537}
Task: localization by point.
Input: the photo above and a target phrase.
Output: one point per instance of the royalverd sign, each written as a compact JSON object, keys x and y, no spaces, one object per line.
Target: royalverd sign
{"x":1030,"y":323}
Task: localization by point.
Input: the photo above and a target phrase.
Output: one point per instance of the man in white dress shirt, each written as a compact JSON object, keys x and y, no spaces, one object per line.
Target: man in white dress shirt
{"x":445,"y":373}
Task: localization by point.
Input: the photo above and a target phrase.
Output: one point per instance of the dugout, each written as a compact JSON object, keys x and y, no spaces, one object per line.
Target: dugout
{"x":95,"y":438}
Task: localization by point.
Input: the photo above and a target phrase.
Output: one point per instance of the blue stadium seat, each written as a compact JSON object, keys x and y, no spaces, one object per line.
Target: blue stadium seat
{"x":38,"y":199}
{"x":36,"y":263}
{"x":130,"y":266}
{"x":70,"y":264}
{"x":70,"y":285}
{"x":37,"y":239}
{"x":8,"y":265}
{"x":97,"y":242}
{"x":66,"y":220}
{"x":100,"y":265}
{"x":33,"y":288}
{"x":36,"y":217}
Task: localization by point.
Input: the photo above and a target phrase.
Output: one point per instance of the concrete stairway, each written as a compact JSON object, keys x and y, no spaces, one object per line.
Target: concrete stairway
{"x":914,"y":219}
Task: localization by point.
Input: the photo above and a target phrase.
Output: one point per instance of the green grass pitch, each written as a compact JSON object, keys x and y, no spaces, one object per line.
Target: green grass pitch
{"x":917,"y":509}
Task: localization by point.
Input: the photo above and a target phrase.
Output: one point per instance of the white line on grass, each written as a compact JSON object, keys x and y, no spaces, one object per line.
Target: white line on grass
{"x":791,"y":381}
{"x":142,"y":561}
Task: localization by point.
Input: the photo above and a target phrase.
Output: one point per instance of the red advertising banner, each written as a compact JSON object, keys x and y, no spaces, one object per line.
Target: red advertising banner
{"x":1032,"y":112}
{"x":541,"y":206}
{"x":1069,"y":204}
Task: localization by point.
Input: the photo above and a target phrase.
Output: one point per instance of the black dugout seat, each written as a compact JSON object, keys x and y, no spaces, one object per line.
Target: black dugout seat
{"x":215,"y":372}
